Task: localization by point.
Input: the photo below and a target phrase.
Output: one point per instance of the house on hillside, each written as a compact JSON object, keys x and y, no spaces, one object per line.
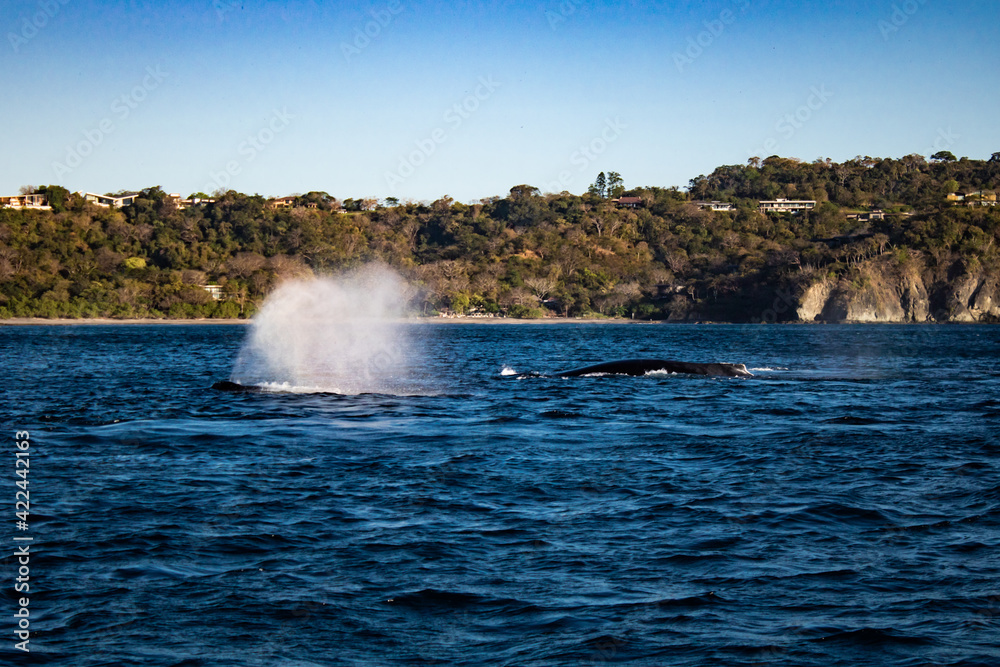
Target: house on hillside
{"x":981,"y":198}
{"x":215,"y":291}
{"x":628,"y":202}
{"x":281,"y":202}
{"x":36,"y":202}
{"x":786,"y":205}
{"x":110,"y":201}
{"x":976,"y":198}
{"x":182,"y":204}
{"x":874,"y":214}
{"x":713,"y":205}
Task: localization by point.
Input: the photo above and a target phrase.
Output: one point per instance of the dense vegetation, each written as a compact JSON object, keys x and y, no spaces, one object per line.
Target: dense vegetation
{"x":526,"y":254}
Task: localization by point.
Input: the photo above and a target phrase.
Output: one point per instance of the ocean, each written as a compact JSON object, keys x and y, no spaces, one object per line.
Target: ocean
{"x":841,"y":507}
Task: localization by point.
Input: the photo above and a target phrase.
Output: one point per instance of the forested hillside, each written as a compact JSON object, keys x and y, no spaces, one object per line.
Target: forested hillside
{"x":528,"y":254}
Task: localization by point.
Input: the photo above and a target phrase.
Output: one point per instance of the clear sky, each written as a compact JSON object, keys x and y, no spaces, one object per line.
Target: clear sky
{"x":419,"y":100}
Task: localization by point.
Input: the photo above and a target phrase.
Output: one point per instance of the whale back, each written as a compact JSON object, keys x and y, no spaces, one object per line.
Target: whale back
{"x":643,"y":366}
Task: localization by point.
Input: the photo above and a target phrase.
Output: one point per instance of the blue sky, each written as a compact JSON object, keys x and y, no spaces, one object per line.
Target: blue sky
{"x":421,"y":100}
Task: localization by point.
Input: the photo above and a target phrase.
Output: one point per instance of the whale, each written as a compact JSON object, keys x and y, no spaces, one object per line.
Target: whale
{"x":643,"y":366}
{"x":236,"y":387}
{"x":635,"y":367}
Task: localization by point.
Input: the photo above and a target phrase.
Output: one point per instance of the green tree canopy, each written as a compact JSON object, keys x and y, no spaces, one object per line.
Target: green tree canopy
{"x":599,"y":186}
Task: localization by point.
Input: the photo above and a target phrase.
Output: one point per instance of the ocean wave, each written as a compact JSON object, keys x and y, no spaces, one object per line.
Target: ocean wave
{"x":506,"y":522}
{"x":289,"y":388}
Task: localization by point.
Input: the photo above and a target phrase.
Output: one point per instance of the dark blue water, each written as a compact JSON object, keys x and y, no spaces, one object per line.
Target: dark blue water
{"x":842,"y":508}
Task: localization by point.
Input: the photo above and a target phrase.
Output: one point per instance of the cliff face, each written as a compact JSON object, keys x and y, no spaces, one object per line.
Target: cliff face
{"x":885,"y":292}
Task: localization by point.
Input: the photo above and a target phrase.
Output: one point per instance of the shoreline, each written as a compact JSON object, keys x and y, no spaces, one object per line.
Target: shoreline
{"x":94,"y":321}
{"x":91,"y":321}
{"x":104,"y":321}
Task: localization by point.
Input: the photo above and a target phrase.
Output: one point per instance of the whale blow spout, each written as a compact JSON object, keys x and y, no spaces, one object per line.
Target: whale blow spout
{"x":643,"y":366}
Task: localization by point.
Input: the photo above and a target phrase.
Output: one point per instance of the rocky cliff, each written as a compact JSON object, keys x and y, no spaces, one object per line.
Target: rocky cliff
{"x":885,"y":290}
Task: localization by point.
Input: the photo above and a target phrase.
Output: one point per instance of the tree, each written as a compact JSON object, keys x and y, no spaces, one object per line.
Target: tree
{"x":944,"y":156}
{"x":523,"y":191}
{"x":913,"y":162}
{"x":460,"y":303}
{"x":541,"y":286}
{"x":9,"y":262}
{"x":148,"y":258}
{"x":243,"y":264}
{"x":615,"y":185}
{"x":598,"y":187}
{"x":56,"y":195}
{"x":524,"y":206}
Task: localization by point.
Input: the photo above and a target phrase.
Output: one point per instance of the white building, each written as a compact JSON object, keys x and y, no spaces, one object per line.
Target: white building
{"x":714,"y":205}
{"x":787,"y":205}
{"x":215,"y":291}
{"x":35,"y":202}
{"x":111,"y":201}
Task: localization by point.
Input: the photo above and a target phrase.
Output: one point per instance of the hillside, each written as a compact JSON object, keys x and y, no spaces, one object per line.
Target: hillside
{"x":887,"y":240}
